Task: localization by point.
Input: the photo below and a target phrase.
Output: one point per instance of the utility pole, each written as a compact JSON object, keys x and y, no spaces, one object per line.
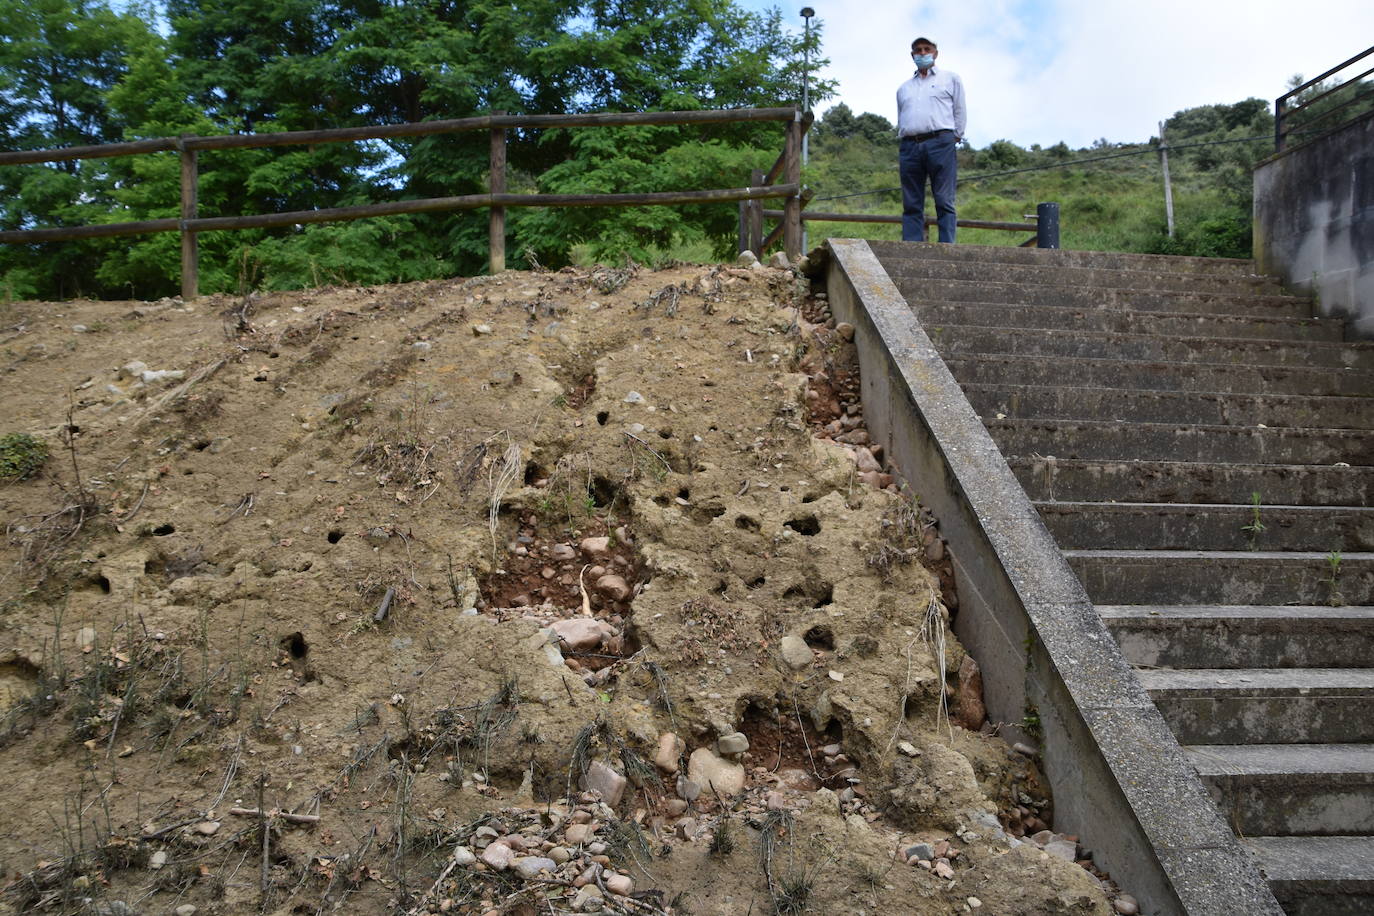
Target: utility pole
{"x":1168,"y":188}
{"x":806,"y":14}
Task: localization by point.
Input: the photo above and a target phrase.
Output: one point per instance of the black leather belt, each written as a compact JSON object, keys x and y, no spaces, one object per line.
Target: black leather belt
{"x":921,"y":138}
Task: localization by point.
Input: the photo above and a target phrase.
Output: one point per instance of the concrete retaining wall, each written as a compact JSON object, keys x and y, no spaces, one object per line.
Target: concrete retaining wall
{"x":1314,"y":222}
{"x":1119,"y":779}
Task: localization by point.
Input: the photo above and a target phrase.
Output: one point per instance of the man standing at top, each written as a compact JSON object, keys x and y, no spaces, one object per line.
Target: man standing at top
{"x":930,"y":123}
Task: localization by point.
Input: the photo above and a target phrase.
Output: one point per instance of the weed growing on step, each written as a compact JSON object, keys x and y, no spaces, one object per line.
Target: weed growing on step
{"x":1256,"y":527}
{"x":1332,"y":580}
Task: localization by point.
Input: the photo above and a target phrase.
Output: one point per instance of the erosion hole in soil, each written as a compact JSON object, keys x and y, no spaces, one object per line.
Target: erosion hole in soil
{"x":102,"y":583}
{"x":334,"y":536}
{"x":808,"y":525}
{"x":201,"y":445}
{"x":820,"y":637}
{"x":164,"y":529}
{"x":665,"y":434}
{"x":533,"y":472}
{"x":756,"y":582}
{"x":817,"y":593}
{"x":780,"y":739}
{"x":604,"y":492}
{"x":602,"y":416}
{"x":704,"y":515}
{"x":745,"y":523}
{"x":295,"y":645}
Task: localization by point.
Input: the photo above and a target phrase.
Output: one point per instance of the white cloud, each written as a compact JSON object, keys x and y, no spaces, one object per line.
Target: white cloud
{"x":1041,"y":71}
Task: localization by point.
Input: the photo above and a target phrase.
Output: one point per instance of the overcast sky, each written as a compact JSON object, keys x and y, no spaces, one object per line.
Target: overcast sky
{"x":1041,"y":71}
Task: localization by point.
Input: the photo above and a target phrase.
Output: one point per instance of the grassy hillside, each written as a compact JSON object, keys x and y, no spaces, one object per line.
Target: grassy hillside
{"x":1111,"y":195}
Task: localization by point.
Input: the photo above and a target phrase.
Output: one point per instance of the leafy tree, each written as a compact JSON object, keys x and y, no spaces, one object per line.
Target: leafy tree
{"x":58,"y":58}
{"x":840,"y":123}
{"x":280,"y":65}
{"x":1002,"y":154}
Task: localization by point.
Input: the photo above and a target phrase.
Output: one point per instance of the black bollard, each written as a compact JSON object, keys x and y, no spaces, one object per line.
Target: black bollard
{"x":1047,"y":225}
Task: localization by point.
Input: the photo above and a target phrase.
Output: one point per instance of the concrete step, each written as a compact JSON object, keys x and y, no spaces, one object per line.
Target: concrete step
{"x":1318,"y":876}
{"x":1265,"y":705}
{"x":1203,"y":526}
{"x":1137,"y":405}
{"x":1080,"y":276}
{"x":1290,"y":789}
{"x":1048,"y":479}
{"x":1109,"y":440}
{"x":1012,"y":370}
{"x":1126,"y":321}
{"x":1242,"y":636}
{"x":1224,"y":577}
{"x":892,"y":252}
{"x":918,"y":290}
{"x":957,"y":340}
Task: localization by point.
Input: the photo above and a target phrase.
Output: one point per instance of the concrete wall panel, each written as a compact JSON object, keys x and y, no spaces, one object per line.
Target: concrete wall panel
{"x":1314,"y":222}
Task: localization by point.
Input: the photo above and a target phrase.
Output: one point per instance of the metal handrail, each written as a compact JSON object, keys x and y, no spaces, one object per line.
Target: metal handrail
{"x":1281,"y":110}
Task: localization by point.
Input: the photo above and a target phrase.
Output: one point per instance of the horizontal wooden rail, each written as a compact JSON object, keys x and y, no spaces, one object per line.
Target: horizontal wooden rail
{"x":99,"y":231}
{"x":896,"y":219}
{"x":495,"y":125}
{"x":413,"y":129}
{"x":104,"y":151}
{"x":425,"y":205}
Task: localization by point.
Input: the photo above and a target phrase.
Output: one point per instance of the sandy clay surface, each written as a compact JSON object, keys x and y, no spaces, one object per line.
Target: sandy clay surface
{"x":542,"y":593}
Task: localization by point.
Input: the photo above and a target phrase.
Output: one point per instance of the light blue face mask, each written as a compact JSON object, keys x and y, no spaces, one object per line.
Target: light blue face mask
{"x":923,"y":61}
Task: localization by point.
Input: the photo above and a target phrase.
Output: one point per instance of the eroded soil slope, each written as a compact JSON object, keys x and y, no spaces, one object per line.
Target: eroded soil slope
{"x":528,"y":594}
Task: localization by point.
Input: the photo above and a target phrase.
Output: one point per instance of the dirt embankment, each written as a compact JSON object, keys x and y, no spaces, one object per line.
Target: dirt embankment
{"x":528,"y":594}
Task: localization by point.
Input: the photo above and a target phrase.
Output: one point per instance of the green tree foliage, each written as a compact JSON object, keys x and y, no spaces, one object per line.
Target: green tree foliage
{"x":58,"y":59}
{"x":228,"y":66}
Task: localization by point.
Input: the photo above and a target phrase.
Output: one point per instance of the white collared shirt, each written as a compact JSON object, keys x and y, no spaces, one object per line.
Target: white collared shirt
{"x":930,"y":103}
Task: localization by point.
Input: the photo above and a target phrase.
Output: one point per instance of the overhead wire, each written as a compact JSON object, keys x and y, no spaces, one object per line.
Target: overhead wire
{"x":1061,"y":165}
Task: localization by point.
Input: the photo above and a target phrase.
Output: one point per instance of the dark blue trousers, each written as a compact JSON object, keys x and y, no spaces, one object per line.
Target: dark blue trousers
{"x":934,"y":159}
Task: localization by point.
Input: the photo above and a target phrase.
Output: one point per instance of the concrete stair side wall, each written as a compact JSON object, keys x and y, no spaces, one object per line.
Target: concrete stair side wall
{"x":1120,"y":780}
{"x":1314,"y":221}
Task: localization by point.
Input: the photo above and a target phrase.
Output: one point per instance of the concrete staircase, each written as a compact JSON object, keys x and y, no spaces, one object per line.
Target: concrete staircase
{"x":1202,"y":449}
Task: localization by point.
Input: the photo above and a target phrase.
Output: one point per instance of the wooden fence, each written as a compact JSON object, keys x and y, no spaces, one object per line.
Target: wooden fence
{"x":190,"y":223}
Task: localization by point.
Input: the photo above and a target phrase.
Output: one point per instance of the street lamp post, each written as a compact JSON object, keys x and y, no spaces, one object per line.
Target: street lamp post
{"x":806,"y":14}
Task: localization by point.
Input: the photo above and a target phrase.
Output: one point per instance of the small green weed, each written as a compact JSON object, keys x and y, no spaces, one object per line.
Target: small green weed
{"x":21,"y":455}
{"x":722,"y":838}
{"x":1333,"y":579}
{"x":1256,"y":527}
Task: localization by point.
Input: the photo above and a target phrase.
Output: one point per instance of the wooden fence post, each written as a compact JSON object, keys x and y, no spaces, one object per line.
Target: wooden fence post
{"x":791,"y":231}
{"x":756,"y":179}
{"x":743,"y":227}
{"x":497,"y":182}
{"x":190,"y":245}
